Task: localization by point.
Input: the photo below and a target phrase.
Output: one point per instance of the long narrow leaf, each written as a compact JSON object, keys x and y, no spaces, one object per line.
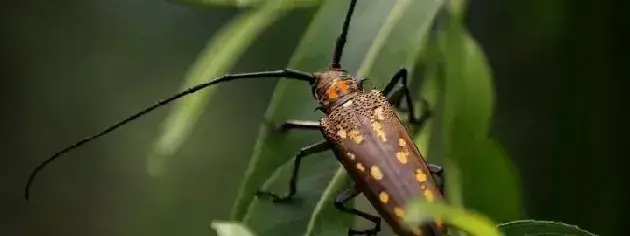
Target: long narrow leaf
{"x":244,"y":3}
{"x":473,"y":223}
{"x":468,"y":106}
{"x":430,"y":91}
{"x":326,"y":219}
{"x":236,"y":3}
{"x":429,"y":136}
{"x":230,"y":229}
{"x":399,"y":39}
{"x":536,"y":227}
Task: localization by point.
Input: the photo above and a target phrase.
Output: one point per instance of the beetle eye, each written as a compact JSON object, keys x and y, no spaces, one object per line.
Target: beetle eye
{"x":314,"y":93}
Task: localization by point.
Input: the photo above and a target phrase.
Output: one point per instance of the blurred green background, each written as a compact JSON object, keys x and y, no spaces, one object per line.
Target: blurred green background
{"x":73,"y":67}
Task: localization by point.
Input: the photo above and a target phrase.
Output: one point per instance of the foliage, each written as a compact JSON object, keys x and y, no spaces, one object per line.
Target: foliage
{"x":475,"y":224}
{"x":230,"y":229}
{"x":534,"y":227}
{"x":419,"y":212}
{"x":456,"y":80}
{"x":472,"y":223}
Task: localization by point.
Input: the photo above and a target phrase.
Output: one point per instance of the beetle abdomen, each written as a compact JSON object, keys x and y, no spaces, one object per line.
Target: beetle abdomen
{"x":375,"y":149}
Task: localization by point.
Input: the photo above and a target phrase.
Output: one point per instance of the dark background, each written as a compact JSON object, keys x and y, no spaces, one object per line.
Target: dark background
{"x":71,"y":67}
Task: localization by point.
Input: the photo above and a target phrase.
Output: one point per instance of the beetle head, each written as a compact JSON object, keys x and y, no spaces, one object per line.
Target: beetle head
{"x":332,"y":85}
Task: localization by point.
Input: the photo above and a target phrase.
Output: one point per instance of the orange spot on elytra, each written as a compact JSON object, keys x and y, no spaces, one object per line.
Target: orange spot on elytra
{"x":399,"y":212}
{"x":428,"y":195}
{"x":421,"y":176}
{"x":401,"y":142}
{"x":355,"y":135}
{"x":378,"y":128}
{"x":378,"y":113}
{"x":360,"y":167}
{"x":402,"y":157}
{"x":376,"y":173}
{"x":384,"y":197}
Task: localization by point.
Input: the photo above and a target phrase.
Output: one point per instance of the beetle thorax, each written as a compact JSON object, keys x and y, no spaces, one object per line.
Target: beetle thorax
{"x":332,"y":85}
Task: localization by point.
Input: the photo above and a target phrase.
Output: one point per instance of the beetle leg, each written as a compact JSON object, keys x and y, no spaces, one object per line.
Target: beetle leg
{"x":300,"y":124}
{"x":438,"y":175}
{"x":318,"y":147}
{"x":401,"y":73}
{"x":294,"y":125}
{"x":395,"y":98}
{"x":340,"y":205}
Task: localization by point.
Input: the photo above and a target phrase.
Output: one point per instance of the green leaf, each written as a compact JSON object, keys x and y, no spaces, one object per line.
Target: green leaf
{"x":220,"y":54}
{"x":400,"y":39}
{"x":457,"y":9}
{"x":428,"y":61}
{"x":292,"y":218}
{"x":326,"y":219}
{"x":453,"y":185}
{"x":453,"y":188}
{"x":494,"y":171}
{"x":468,"y":86}
{"x":224,"y":228}
{"x":466,"y":118}
{"x":429,"y":92}
{"x":246,"y":3}
{"x":236,"y":3}
{"x":419,"y":212}
{"x":547,"y":228}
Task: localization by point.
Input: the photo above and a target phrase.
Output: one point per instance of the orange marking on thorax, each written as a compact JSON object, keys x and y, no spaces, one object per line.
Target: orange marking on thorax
{"x":343,"y":86}
{"x":332,"y":90}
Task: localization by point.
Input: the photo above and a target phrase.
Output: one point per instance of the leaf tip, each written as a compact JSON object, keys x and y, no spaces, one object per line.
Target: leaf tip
{"x":229,"y":228}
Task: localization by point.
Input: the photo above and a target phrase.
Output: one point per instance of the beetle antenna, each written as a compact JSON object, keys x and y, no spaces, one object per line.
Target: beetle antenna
{"x":341,"y":39}
{"x":287,"y":73}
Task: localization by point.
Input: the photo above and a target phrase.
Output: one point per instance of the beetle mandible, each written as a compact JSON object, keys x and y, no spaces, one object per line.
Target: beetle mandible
{"x":360,"y":127}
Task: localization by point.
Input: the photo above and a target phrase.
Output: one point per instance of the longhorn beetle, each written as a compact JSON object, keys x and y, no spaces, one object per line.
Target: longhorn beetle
{"x":363,"y":131}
